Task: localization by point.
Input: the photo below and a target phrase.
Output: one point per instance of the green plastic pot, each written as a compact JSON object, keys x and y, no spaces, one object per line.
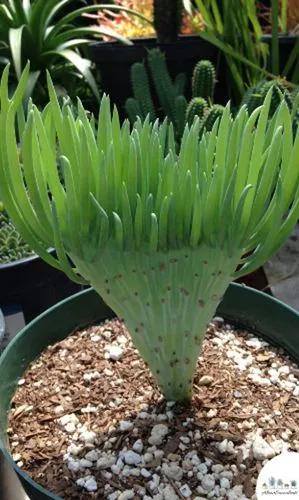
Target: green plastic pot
{"x":242,"y":306}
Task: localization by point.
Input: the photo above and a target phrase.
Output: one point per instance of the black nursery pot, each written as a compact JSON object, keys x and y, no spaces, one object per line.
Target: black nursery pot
{"x":114,"y":61}
{"x":241,"y":305}
{"x":33,"y":286}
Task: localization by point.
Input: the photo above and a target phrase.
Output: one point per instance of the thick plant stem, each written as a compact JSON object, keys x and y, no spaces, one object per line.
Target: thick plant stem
{"x":166,"y":301}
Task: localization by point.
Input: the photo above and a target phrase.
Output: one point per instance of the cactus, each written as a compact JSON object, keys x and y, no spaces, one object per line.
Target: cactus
{"x":164,"y":86}
{"x":215,"y":112}
{"x":203,"y":80}
{"x":180,"y":114}
{"x":252,"y":98}
{"x":141,"y":90}
{"x":167,"y":19}
{"x":12,"y":245}
{"x":256,"y":95}
{"x":197,"y":107}
{"x":133,"y":109}
{"x":279,"y":92}
{"x":144,"y":222}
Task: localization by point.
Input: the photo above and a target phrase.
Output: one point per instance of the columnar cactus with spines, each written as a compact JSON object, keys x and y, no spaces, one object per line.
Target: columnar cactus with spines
{"x":167,"y":19}
{"x":133,"y":109}
{"x":141,"y":90}
{"x":203,"y":80}
{"x":214,"y":113}
{"x":158,"y":232}
{"x":180,"y":114}
{"x":256,"y":95}
{"x":196,"y":107}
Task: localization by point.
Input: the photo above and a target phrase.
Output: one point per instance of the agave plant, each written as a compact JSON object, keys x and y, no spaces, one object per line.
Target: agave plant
{"x":41,"y":32}
{"x":158,"y":233}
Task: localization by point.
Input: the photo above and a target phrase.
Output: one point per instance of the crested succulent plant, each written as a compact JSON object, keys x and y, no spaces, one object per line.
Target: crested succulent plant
{"x":158,"y":233}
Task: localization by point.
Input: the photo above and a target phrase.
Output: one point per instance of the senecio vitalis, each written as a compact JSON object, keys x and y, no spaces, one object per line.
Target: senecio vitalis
{"x":158,"y":232}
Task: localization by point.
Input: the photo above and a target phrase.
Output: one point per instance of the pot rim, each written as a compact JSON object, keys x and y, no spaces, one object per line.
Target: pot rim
{"x":267,"y":300}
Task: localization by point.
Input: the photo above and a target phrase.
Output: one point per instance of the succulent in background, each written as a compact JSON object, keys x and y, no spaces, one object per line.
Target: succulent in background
{"x":158,"y":233}
{"x":170,"y":93}
{"x":196,"y":107}
{"x":167,"y":91}
{"x":12,"y":245}
{"x":214,"y":113}
{"x":168,"y":15}
{"x":203,"y":80}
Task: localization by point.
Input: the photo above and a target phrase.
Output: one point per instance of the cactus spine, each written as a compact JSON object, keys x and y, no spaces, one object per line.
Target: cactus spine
{"x":180,"y":114}
{"x":203,"y":80}
{"x":197,"y":107}
{"x":215,"y":112}
{"x":141,"y":90}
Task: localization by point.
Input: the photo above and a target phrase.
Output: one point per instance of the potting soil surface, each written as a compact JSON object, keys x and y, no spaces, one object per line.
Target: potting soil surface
{"x":88,"y":421}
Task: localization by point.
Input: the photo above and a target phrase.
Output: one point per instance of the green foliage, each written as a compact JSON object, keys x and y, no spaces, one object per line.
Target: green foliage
{"x":39,"y":31}
{"x":236,"y":31}
{"x":213,"y":114}
{"x":256,"y":95}
{"x":141,"y":91}
{"x":158,"y":231}
{"x":203,"y":80}
{"x":167,"y":19}
{"x":172,"y":103}
{"x":196,"y":107}
{"x":167,"y":91}
{"x":12,"y":245}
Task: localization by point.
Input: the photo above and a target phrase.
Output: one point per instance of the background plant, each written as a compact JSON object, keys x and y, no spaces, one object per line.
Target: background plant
{"x":143,"y":223}
{"x":12,"y":245}
{"x":40,"y":31}
{"x":237,"y":32}
{"x":157,"y":86}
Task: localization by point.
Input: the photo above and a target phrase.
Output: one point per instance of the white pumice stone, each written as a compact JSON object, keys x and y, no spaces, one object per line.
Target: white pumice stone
{"x":169,"y":493}
{"x":202,"y":468}
{"x":88,"y":436}
{"x":125,"y":425}
{"x":172,"y":471}
{"x":138,"y":446}
{"x":145,"y":473}
{"x":126,"y":495}
{"x":91,"y":376}
{"x":185,"y":491}
{"x":208,"y":482}
{"x":71,"y":418}
{"x":73,"y":465}
{"x":105,"y":461}
{"x":154,"y":483}
{"x":261,"y":449}
{"x":132,"y":458}
{"x":92,"y":455}
{"x":225,"y":483}
{"x":148,"y":457}
{"x":114,"y":352}
{"x":70,"y":428}
{"x":158,"y":433}
{"x":296,"y":391}
{"x":212,"y":413}
{"x":91,"y":484}
{"x":85,"y":464}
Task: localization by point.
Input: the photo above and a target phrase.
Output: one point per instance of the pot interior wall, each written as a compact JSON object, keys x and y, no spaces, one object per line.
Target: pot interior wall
{"x":241,"y":305}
